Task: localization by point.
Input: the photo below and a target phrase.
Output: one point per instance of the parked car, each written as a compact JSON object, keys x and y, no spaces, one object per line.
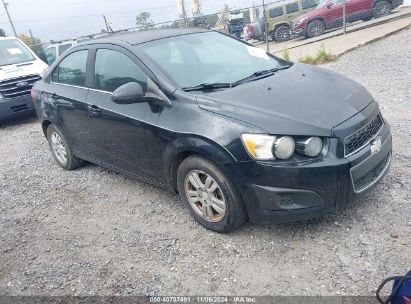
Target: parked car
{"x":56,"y":49}
{"x":236,"y":24}
{"x":238,"y":133}
{"x":329,"y":14}
{"x":20,"y":68}
{"x":279,"y":20}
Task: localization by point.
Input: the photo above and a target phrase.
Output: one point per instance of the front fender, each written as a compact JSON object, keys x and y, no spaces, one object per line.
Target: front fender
{"x":177,"y":150}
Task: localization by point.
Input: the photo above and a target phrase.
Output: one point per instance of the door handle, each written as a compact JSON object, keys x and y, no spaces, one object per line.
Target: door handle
{"x":94,"y":109}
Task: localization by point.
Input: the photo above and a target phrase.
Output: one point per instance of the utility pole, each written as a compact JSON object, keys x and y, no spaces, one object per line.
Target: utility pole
{"x":8,"y":15}
{"x":344,"y":16}
{"x":266,"y":27}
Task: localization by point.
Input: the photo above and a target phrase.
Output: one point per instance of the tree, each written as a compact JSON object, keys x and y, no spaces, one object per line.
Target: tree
{"x":2,"y":33}
{"x":144,"y":22}
{"x":35,"y":44}
{"x":103,"y":31}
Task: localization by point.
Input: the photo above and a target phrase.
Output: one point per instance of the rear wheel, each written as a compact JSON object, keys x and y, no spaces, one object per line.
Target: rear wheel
{"x":314,"y":28}
{"x":381,"y":9}
{"x":61,"y":150}
{"x":282,"y":33}
{"x":209,"y":195}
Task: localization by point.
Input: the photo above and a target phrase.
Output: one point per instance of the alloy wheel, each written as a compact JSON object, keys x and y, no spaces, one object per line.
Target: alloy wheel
{"x":382,"y":10}
{"x":59,"y":150}
{"x":205,"y":196}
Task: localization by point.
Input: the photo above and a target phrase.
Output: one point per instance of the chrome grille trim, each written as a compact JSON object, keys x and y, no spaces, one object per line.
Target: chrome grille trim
{"x":378,"y":120}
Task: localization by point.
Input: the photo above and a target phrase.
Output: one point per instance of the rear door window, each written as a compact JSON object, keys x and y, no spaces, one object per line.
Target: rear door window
{"x":306,"y":4}
{"x":291,"y":8}
{"x":276,"y":12}
{"x":72,"y":69}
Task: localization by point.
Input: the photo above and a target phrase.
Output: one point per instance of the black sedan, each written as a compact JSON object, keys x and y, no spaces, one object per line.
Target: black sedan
{"x":238,"y":133}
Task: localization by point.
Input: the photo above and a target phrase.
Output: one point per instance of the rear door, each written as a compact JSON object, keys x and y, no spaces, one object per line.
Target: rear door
{"x":67,"y":92}
{"x":122,"y":134}
{"x":358,"y":9}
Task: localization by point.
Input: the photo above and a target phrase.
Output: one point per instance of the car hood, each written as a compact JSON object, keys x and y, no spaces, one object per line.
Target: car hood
{"x":301,"y":100}
{"x":22,"y":69}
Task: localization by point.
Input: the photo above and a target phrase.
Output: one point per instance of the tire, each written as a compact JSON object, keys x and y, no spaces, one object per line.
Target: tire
{"x":223,"y":217}
{"x":282,"y":33}
{"x":381,"y":9}
{"x":61,"y":150}
{"x":314,"y":28}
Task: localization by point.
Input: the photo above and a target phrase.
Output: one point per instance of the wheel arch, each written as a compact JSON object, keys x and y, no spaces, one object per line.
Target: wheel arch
{"x":182,"y":148}
{"x":316,"y":18}
{"x":44,"y":125}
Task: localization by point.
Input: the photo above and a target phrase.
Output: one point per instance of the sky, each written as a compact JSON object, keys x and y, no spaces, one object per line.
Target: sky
{"x":62,"y":19}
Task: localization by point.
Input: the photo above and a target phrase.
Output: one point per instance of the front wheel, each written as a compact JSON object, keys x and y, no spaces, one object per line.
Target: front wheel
{"x":381,"y":9}
{"x":282,"y":33}
{"x":315,"y":28}
{"x":209,"y":195}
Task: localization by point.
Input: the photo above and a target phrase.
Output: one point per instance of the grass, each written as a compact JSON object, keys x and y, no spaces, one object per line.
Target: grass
{"x":286,"y":53}
{"x":321,"y":57}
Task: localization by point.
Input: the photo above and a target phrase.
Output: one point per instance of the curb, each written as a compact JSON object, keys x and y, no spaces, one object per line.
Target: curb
{"x":373,"y":40}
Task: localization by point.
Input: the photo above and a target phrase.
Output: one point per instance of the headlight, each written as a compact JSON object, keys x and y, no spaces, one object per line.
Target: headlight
{"x":310,"y":147}
{"x":284,"y":147}
{"x":267,"y":147}
{"x":259,"y":146}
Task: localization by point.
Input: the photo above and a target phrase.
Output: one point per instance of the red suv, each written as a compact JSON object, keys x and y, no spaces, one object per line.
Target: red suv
{"x":329,"y":14}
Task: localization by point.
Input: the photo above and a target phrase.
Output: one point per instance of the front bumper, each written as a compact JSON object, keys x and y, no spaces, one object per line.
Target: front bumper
{"x":12,"y":107}
{"x":277,"y":192}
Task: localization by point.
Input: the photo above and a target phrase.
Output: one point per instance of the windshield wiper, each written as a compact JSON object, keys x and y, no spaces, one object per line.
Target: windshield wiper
{"x":208,"y":86}
{"x":223,"y":85}
{"x":259,"y":75}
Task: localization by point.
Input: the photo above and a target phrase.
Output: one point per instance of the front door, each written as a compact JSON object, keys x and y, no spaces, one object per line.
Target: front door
{"x":121,"y":133}
{"x":333,"y":13}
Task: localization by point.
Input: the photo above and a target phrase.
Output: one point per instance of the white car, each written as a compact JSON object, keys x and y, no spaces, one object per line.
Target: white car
{"x":55,"y":50}
{"x":20,"y":68}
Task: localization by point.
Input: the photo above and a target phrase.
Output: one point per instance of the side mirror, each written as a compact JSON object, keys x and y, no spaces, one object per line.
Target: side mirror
{"x":128,"y":93}
{"x":329,"y":4}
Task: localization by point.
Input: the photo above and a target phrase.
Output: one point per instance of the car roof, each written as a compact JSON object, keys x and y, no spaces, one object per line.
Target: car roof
{"x":134,"y":38}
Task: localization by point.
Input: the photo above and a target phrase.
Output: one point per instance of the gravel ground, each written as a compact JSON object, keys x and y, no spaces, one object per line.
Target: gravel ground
{"x":92,"y":231}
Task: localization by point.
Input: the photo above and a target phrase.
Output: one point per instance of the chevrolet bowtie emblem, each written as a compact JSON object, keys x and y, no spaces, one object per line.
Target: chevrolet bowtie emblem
{"x":376,"y":146}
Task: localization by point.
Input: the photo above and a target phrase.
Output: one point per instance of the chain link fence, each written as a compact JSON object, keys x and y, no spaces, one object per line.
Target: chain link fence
{"x":273,"y":21}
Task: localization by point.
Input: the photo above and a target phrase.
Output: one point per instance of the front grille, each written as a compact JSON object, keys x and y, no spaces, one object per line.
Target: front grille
{"x":21,"y":108}
{"x":18,"y":86}
{"x":368,"y":179}
{"x":361,"y":138}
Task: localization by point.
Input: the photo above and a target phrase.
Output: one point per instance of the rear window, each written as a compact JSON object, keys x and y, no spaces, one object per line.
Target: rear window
{"x":276,"y":12}
{"x":291,"y":8}
{"x":12,"y":51}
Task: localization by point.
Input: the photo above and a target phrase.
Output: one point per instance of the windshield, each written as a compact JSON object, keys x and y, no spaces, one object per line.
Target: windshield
{"x":13,"y":51}
{"x":208,"y":57}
